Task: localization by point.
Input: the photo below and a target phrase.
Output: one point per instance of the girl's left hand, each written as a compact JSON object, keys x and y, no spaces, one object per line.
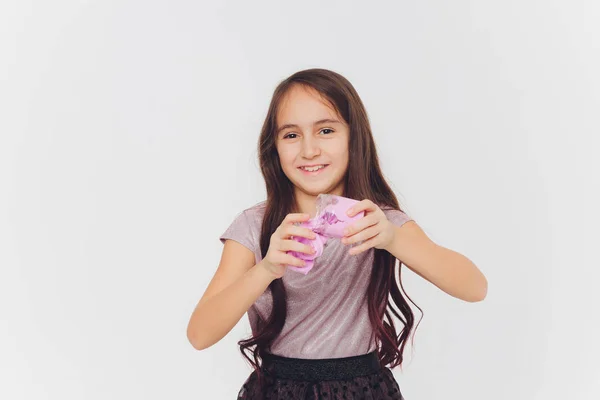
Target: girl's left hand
{"x":374,"y":228}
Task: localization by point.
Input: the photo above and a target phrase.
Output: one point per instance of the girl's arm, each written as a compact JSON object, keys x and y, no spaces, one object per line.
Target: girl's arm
{"x":450,"y":271}
{"x":236,"y":285}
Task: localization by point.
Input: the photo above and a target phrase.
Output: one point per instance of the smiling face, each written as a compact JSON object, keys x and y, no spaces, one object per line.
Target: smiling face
{"x":310,"y":133}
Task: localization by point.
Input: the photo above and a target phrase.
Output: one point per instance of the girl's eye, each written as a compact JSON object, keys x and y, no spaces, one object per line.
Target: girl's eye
{"x":289,"y":135}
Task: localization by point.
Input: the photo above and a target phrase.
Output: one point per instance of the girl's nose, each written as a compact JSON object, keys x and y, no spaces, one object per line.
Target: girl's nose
{"x":310,"y":148}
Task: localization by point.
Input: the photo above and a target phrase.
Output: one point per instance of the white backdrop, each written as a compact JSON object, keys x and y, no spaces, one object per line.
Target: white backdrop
{"x":128,"y":144}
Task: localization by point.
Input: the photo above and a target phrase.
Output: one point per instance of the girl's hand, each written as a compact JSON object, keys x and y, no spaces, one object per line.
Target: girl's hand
{"x":374,"y":229}
{"x":276,"y":260}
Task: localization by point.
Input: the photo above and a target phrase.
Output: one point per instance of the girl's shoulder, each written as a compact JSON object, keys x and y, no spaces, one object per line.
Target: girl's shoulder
{"x":254,"y":214}
{"x":257,"y":209}
{"x":245,"y":227}
{"x":396,"y":216}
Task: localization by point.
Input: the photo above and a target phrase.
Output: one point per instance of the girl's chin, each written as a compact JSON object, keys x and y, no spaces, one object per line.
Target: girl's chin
{"x":314,"y":189}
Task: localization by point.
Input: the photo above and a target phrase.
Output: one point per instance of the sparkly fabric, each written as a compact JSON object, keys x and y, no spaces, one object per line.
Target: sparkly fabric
{"x":327,"y":314}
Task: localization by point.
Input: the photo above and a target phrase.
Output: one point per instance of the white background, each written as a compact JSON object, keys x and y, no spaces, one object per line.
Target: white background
{"x":128,"y":144}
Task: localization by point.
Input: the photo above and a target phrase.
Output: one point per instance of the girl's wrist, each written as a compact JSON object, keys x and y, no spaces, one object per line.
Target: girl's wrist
{"x":266,"y":270}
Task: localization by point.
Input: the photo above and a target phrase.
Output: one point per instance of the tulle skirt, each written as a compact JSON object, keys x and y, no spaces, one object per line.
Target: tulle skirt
{"x":348,"y":378}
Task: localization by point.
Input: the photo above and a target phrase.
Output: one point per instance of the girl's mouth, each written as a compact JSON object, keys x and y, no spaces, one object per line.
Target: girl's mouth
{"x":311,"y":171}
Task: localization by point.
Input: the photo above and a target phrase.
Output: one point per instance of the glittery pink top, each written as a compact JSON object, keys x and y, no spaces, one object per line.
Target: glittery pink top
{"x":327,"y":315}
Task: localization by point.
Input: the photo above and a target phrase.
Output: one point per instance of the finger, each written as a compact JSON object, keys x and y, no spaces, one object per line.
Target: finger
{"x":364,"y":205}
{"x":365,"y":234}
{"x":290,"y":220}
{"x":363,"y":246}
{"x":361,"y":224}
{"x":293,"y":230}
{"x":296,"y":217}
{"x":288,"y":259}
{"x":292,"y":245}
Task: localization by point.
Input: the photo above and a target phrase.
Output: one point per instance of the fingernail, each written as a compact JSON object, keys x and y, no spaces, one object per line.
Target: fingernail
{"x":349,"y":211}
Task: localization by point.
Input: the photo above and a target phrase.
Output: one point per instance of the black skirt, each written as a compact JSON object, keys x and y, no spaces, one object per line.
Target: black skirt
{"x":348,"y":378}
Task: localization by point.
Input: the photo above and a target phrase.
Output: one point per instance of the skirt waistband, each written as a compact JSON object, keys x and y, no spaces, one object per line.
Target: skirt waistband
{"x":324,"y":369}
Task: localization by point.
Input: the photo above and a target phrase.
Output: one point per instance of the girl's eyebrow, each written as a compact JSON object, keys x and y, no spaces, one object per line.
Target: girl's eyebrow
{"x":321,"y":121}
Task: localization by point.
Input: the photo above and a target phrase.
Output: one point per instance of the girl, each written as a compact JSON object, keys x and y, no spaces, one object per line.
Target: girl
{"x":322,"y":335}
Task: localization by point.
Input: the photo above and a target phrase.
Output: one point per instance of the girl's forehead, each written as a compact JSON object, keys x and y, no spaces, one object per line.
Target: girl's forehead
{"x":301,"y":104}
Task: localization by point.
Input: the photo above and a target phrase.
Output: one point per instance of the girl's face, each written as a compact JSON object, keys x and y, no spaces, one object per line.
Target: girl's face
{"x":310,"y":134}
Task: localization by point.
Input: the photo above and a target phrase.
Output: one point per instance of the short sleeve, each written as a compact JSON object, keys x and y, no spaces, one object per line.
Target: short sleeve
{"x":397,"y":217}
{"x":240,"y":231}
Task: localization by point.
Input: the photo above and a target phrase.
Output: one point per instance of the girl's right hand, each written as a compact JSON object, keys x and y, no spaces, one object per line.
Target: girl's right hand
{"x":276,"y":260}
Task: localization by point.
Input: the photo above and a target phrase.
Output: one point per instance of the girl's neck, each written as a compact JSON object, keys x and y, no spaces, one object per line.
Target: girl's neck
{"x":306,"y":203}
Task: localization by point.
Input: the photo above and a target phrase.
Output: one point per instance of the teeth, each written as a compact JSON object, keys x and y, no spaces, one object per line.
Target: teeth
{"x":313,"y":169}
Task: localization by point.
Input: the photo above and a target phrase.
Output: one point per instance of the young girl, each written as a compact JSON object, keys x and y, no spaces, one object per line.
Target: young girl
{"x":322,"y":335}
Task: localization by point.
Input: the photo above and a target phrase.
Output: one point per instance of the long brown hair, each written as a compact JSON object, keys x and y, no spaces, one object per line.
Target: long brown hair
{"x":363,"y":180}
